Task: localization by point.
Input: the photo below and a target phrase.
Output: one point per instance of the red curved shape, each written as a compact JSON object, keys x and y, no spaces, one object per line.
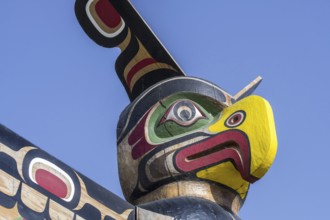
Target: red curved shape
{"x":107,"y":13}
{"x":137,"y":139}
{"x":51,"y":183}
{"x":240,"y":156}
{"x":143,"y":63}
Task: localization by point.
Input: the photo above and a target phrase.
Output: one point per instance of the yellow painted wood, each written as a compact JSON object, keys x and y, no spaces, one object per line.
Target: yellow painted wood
{"x":259,"y":126}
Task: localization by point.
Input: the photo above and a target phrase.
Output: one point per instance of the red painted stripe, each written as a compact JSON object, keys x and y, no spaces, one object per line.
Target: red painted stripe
{"x":137,"y":139}
{"x":137,"y":67}
{"x":107,"y":13}
{"x":51,"y":183}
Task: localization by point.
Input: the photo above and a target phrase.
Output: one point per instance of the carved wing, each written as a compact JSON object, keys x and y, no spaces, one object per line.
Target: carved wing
{"x":35,"y":185}
{"x":143,"y":60}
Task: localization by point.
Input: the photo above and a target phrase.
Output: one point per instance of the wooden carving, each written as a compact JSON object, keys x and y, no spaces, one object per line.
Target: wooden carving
{"x":186,"y":148}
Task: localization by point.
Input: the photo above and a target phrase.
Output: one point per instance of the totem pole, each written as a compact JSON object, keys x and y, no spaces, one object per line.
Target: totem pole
{"x":186,"y":148}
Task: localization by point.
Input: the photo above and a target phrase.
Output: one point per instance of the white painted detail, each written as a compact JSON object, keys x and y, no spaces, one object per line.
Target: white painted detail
{"x":53,"y":166}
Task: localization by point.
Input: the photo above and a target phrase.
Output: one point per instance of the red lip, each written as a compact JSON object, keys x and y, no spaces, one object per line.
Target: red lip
{"x":230,"y":145}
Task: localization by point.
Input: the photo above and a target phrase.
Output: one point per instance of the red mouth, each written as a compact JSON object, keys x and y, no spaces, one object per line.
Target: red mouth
{"x":231,"y":145}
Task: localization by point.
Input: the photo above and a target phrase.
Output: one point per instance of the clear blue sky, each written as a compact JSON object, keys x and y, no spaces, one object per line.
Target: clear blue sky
{"x":59,"y":89}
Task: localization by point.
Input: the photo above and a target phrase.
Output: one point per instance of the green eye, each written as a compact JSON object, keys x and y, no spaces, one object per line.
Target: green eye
{"x":183,"y":112}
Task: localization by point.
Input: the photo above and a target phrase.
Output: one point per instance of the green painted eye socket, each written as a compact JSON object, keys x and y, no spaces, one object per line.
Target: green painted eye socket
{"x":180,"y":114}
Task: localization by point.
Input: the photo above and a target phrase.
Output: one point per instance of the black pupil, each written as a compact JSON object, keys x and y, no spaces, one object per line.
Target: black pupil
{"x":184,"y":111}
{"x":185,"y":115}
{"x":235,"y":119}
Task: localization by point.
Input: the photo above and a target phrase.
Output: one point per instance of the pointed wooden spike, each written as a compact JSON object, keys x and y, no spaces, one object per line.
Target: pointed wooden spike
{"x":249,"y":89}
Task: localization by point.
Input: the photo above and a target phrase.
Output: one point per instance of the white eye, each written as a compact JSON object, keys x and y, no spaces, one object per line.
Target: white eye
{"x":183,"y":112}
{"x":235,"y":119}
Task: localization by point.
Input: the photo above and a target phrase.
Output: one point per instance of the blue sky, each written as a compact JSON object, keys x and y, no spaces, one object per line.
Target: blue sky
{"x":59,"y":89}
